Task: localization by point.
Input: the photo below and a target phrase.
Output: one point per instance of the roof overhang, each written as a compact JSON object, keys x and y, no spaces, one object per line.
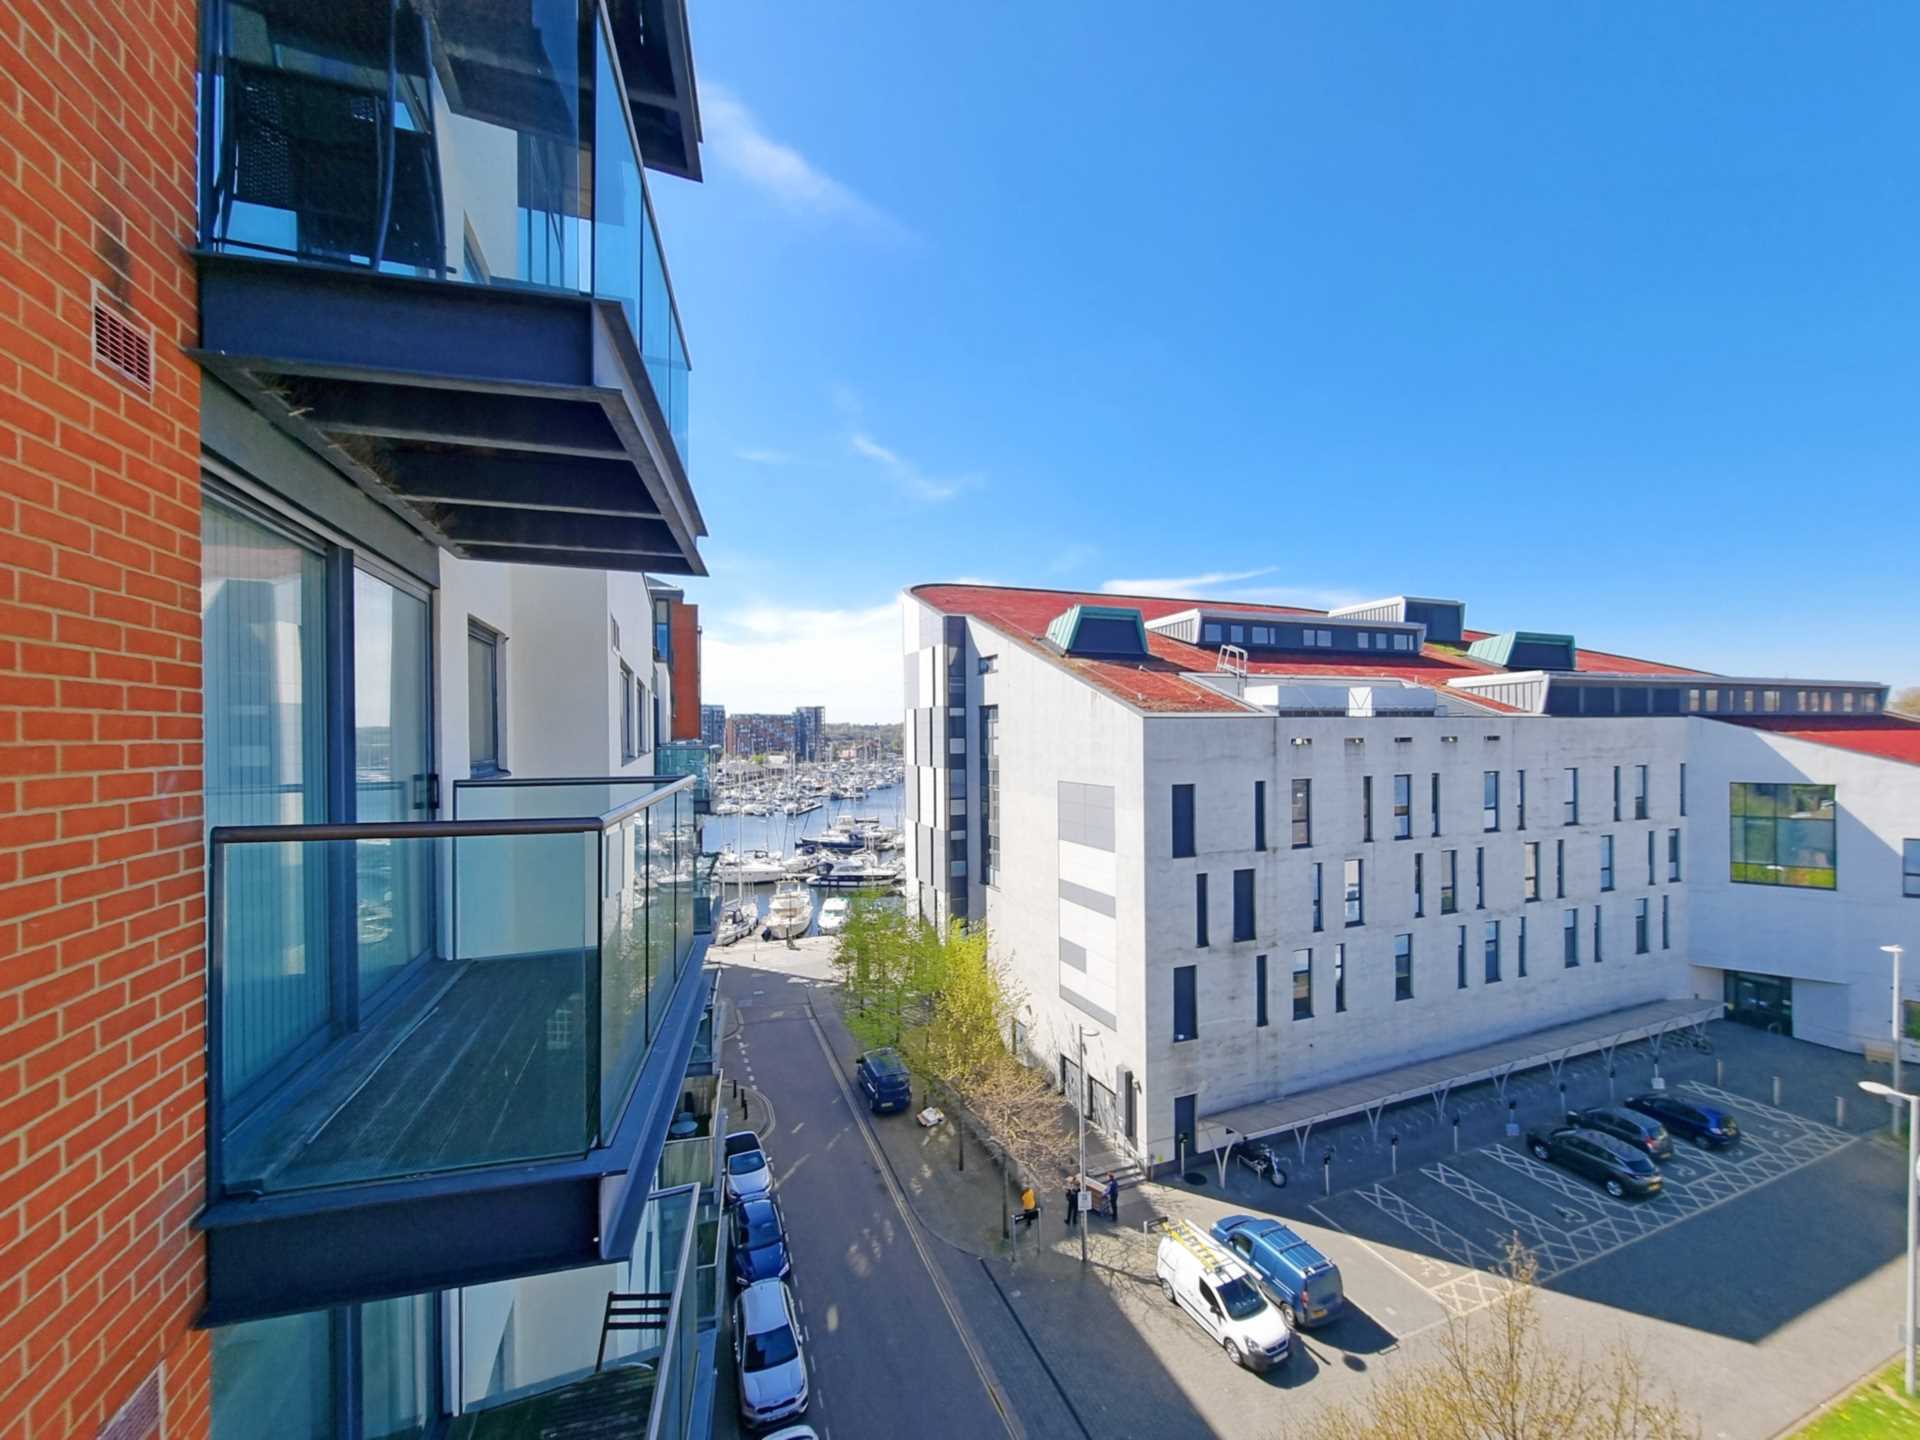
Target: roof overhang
{"x":501,"y":423}
{"x":656,"y":62}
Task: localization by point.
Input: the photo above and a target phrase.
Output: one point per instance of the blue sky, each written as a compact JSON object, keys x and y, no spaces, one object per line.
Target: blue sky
{"x":1604,"y":319}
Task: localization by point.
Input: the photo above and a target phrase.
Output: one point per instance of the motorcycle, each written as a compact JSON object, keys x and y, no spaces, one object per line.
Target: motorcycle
{"x":1264,"y":1161}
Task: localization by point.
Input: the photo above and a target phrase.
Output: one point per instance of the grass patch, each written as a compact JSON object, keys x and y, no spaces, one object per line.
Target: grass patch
{"x":1878,"y":1409}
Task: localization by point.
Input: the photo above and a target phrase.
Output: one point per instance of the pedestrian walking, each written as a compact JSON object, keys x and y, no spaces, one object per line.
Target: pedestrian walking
{"x":1113,"y":1197}
{"x":1029,"y":1207}
{"x":1073,"y":1201}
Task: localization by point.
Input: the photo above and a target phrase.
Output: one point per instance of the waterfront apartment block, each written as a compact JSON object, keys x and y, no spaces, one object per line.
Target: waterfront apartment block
{"x":354,"y":970}
{"x":1259,"y":854}
{"x":801,"y":734}
{"x":713,"y":726}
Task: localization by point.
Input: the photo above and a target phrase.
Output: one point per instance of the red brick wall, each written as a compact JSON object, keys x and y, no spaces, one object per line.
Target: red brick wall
{"x":102,"y":1022}
{"x":683,"y":625}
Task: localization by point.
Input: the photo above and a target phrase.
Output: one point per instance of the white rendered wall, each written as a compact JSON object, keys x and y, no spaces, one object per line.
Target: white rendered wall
{"x":1820,"y":938}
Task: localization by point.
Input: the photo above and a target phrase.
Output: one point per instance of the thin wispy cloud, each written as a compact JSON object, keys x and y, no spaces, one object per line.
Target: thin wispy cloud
{"x":905,"y":474}
{"x":761,"y":456}
{"x":1075,"y":556}
{"x":1182,"y":586}
{"x":734,"y":138}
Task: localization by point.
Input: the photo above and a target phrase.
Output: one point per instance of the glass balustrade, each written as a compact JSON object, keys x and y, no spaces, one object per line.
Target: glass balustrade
{"x":463,"y":143}
{"x":556,"y":944}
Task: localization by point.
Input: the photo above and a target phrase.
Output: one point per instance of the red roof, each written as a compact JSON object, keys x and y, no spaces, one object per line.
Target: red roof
{"x":1604,"y":662}
{"x":1157,"y":682}
{"x":1888,"y":736}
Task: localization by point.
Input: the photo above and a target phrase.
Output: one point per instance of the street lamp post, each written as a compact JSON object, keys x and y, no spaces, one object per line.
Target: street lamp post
{"x":1080,"y":1180}
{"x":1896,"y":951}
{"x":1874,"y":1087}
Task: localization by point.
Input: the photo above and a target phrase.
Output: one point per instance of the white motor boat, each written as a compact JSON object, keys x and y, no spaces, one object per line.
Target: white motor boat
{"x":790,"y":912}
{"x":861,"y":872}
{"x":736,"y":922}
{"x":833,"y":914}
{"x":756,"y":867}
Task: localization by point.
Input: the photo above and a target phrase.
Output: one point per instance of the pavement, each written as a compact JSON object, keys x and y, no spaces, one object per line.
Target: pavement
{"x":1763,"y":1281}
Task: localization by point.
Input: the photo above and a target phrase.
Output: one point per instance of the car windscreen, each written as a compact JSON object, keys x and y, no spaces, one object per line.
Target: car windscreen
{"x":1625,"y":1157}
{"x":887,"y":1067}
{"x":770,"y":1348}
{"x":745,"y":1162}
{"x":759,"y":1229}
{"x":1241,"y":1299}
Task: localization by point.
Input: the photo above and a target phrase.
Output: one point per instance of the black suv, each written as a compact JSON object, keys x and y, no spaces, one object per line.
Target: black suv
{"x":1707,"y":1126}
{"x":1642,"y":1132}
{"x":1620,"y":1170}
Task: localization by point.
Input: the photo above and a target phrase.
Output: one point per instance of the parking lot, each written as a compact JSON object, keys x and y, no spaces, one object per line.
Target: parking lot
{"x":1458,"y":1213}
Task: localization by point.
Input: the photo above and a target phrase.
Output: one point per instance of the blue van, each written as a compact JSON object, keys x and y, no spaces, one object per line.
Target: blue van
{"x":1304,"y":1281}
{"x":884,"y":1080}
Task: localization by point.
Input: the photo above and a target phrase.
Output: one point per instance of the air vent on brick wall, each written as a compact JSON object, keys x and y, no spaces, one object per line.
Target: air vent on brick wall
{"x":121,"y":347}
{"x":139,"y":1418}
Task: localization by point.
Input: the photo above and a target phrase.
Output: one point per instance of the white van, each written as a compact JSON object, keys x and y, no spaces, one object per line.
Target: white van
{"x":1223,"y":1296}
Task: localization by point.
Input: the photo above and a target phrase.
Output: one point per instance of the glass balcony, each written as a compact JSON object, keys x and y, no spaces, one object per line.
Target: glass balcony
{"x":481,"y":145}
{"x":541,"y":951}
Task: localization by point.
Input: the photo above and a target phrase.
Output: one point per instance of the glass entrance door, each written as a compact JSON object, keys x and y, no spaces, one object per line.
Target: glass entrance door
{"x":392,"y":750}
{"x":1762,"y":1001}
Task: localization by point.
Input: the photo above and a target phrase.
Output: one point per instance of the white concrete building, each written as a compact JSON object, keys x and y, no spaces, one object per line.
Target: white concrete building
{"x":1257,"y":852}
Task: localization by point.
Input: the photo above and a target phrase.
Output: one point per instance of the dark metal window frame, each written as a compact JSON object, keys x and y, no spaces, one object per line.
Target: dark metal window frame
{"x":481,"y":632}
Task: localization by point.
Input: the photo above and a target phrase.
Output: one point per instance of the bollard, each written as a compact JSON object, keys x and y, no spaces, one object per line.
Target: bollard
{"x":746,"y":1108}
{"x":1611,"y":1095}
{"x":1456,"y":1134}
{"x":1776,"y":1089}
{"x":1393,"y":1149}
{"x":1720,"y":1074}
{"x":1326,"y":1172}
{"x":1513,"y":1119}
{"x":1840,"y":1112}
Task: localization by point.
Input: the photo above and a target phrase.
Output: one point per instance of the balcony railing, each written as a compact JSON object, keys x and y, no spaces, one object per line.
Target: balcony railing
{"x":475,"y":144}
{"x":395,"y":1000}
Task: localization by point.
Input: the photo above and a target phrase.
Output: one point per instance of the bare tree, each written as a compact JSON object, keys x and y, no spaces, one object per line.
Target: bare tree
{"x":1906,"y":701}
{"x":1498,"y":1378}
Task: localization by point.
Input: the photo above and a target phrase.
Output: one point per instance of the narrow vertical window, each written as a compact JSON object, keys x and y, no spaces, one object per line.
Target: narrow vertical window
{"x":1243,"y":923}
{"x":1570,"y":937}
{"x":1449,"y":881}
{"x":1530,"y":877}
{"x":1606,"y":863}
{"x":1570,"y":804}
{"x":1460,"y":958}
{"x":1910,"y":869}
{"x":1259,"y":991}
{"x":1639,"y":792}
{"x":1490,"y":800}
{"x":1186,"y":1020}
{"x":1641,"y":907}
{"x":1366,"y":807}
{"x":1479,"y":877}
{"x":1259,"y":814}
{"x":1436,"y":802}
{"x":1200,"y":911}
{"x":1616,"y":792}
{"x":1683,"y":789}
{"x":1666,"y":923}
{"x":1402,"y":807}
{"x":1303,"y":984}
{"x":1403,"y":967}
{"x":1339,"y":978}
{"x":1520,"y":947}
{"x":1318,"y":914}
{"x":1520,"y":801}
{"x":1182,"y":822}
{"x":1302,"y":813}
{"x":1599,"y":952}
{"x":483,"y":700}
{"x":1673,"y":854}
{"x":1355,"y":899}
{"x":1559,"y":869}
{"x":1419,"y":886}
{"x":1492,"y":944}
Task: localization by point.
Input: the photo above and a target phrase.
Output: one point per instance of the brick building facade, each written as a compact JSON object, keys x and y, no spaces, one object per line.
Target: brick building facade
{"x":102,"y":1030}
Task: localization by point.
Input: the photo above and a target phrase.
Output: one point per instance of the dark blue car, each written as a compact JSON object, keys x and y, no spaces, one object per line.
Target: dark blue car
{"x":1304,"y":1282}
{"x":759,"y":1242}
{"x":1700,"y":1121}
{"x":885,"y":1081}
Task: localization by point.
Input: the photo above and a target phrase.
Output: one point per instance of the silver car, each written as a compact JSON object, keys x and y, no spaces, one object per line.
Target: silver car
{"x":767,"y":1353}
{"x":748,"y":1173}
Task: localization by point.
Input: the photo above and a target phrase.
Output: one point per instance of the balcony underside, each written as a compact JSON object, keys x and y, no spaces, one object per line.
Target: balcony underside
{"x":501,"y":423}
{"x":437,"y":1094}
{"x":612,"y":1405}
{"x":656,"y":59}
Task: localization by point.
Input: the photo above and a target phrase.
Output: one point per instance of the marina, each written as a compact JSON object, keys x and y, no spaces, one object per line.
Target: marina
{"x":834,"y":845}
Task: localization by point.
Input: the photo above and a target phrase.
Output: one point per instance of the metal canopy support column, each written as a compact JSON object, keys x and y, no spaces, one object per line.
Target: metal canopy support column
{"x":1300,"y":1134}
{"x":1373,"y":1113}
{"x":1500,"y":1078}
{"x":1440,"y":1094}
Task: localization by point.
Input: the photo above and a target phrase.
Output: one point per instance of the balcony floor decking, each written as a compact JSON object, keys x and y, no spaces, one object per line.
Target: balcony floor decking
{"x":612,"y":1405}
{"x":484,"y":1064}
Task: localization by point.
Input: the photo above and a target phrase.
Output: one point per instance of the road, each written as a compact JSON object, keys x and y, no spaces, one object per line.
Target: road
{"x":889,"y":1356}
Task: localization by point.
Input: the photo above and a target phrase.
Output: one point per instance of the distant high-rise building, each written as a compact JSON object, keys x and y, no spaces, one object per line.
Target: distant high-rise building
{"x":713,"y":725}
{"x":759,"y":734}
{"x":809,"y":721}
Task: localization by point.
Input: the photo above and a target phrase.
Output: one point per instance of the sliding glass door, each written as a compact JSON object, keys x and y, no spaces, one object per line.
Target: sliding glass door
{"x":392,"y":743}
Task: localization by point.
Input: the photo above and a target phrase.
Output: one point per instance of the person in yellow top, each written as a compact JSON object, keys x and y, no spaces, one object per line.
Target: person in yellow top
{"x":1029,"y":1206}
